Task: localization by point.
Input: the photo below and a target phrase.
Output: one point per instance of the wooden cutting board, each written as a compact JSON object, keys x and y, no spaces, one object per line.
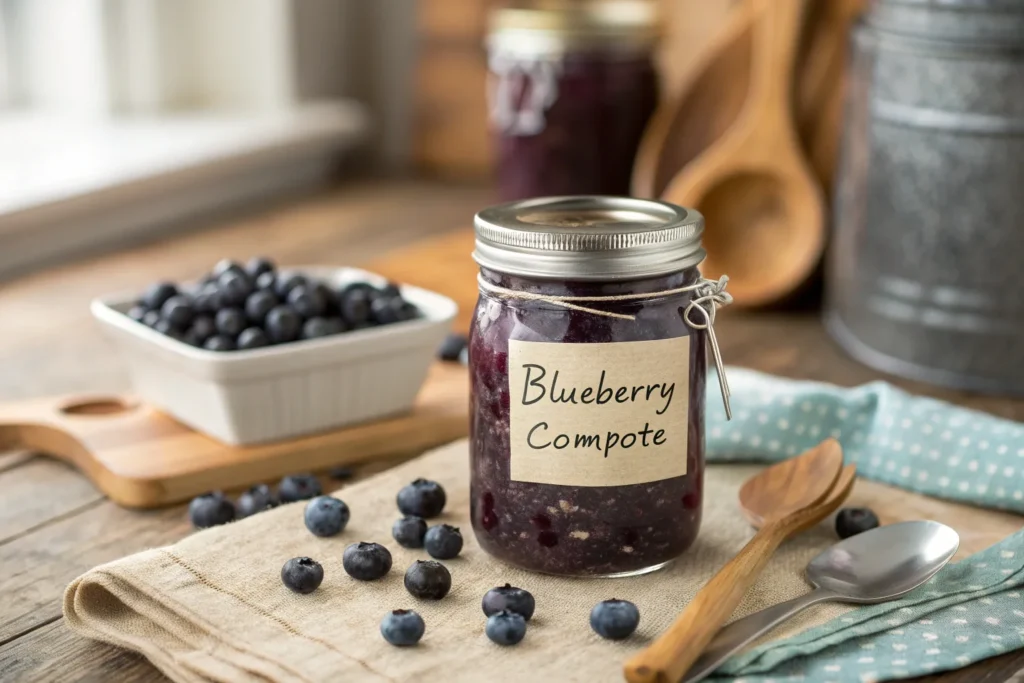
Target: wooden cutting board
{"x":142,"y":458}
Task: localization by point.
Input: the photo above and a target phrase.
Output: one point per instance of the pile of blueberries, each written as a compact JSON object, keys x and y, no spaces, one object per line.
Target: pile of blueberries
{"x":507,"y":607}
{"x":255,"y":305}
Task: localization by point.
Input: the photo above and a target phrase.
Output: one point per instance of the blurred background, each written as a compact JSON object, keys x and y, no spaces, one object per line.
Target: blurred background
{"x":872,"y":151}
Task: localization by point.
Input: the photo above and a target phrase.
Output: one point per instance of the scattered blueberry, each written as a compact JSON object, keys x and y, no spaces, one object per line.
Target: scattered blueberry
{"x":252,"y":338}
{"x":614,"y":619}
{"x":422,"y":498}
{"x":402,"y":627}
{"x":302,"y":574}
{"x":257,"y":499}
{"x":259,"y":304}
{"x":219,"y":342}
{"x":505,"y":627}
{"x":443,"y":541}
{"x":508,"y":597}
{"x":230,"y":321}
{"x":366,"y":561}
{"x":178,"y":311}
{"x":210,"y":509}
{"x":321,"y":327}
{"x":852,"y":521}
{"x":258,"y":265}
{"x":158,"y":294}
{"x":326,"y":516}
{"x":428,"y":580}
{"x":137,"y":312}
{"x":409,"y":531}
{"x":283,"y":324}
{"x":234,"y":288}
{"x":307,"y":301}
{"x":298,"y":487}
{"x":151,"y":318}
{"x":342,"y":473}
{"x":452,"y":347}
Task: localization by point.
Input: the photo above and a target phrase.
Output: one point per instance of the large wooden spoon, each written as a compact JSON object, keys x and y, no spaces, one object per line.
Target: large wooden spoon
{"x":763,"y":205}
{"x":788,"y":496}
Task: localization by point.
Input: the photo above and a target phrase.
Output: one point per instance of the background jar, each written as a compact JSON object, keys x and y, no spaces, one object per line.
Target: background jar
{"x":582,"y":247}
{"x":924,"y":274}
{"x":571,"y":88}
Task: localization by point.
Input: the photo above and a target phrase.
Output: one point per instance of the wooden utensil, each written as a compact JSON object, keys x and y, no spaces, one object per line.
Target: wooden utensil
{"x":791,"y":496}
{"x":139,"y":457}
{"x":764,"y":208}
{"x":836,"y":497}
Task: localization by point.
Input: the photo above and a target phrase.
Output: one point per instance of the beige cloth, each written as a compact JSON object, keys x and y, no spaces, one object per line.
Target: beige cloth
{"x":213,"y":608}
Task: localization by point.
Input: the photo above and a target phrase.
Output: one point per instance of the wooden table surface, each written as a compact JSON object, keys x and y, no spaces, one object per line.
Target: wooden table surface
{"x":54,"y":525}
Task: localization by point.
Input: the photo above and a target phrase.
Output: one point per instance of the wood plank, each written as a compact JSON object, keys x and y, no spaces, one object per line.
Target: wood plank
{"x":25,"y":508}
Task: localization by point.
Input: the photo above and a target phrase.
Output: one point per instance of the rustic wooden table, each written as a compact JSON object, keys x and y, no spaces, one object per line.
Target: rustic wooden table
{"x":54,"y":525}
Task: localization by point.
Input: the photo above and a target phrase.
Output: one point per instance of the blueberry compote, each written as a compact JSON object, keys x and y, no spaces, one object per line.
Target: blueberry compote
{"x":579,"y":530}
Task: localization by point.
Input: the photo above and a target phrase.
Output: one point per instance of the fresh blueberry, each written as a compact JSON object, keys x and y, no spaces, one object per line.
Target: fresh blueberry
{"x":387,"y":310}
{"x":164,"y":326}
{"x":402,"y":627}
{"x":259,"y":304}
{"x":307,"y":301}
{"x":151,"y":318}
{"x":286,"y":282}
{"x":207,"y":299}
{"x":137,"y":312}
{"x":354,"y":304}
{"x":342,"y":473}
{"x":234,"y":288}
{"x":219,"y":342}
{"x":267,"y":281}
{"x":283,"y":324}
{"x":258,"y":265}
{"x":366,"y":561}
{"x":422,"y":498}
{"x":178,"y":310}
{"x":210,"y":509}
{"x":226,"y":266}
{"x":614,"y":619}
{"x":852,"y":521}
{"x":257,"y":499}
{"x":203,"y":327}
{"x":511,"y":598}
{"x":428,"y":580}
{"x":157,"y":294}
{"x":298,"y":487}
{"x":326,"y":516}
{"x":324,"y":293}
{"x":505,"y":627}
{"x":391,"y":290}
{"x":443,"y":541}
{"x":231,"y":321}
{"x":252,"y":338}
{"x":452,"y":347}
{"x":302,"y":574}
{"x":409,"y":531}
{"x":315,"y":328}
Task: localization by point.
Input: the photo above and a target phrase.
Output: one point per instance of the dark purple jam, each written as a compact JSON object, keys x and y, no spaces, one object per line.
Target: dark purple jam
{"x":574,"y":127}
{"x":578,"y":530}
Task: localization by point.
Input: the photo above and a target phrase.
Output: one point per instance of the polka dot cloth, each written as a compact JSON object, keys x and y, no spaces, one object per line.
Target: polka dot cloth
{"x":912,"y":442}
{"x":970,"y":611}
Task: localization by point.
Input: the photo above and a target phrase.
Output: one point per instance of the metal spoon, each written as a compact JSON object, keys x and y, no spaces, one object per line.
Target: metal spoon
{"x":874,"y":566}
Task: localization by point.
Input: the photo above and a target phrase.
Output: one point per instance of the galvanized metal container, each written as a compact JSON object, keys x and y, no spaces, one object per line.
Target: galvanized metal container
{"x":926,"y":273}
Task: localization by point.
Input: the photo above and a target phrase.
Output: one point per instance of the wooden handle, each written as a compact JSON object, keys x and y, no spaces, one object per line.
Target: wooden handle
{"x":776,"y":41}
{"x":672,"y":654}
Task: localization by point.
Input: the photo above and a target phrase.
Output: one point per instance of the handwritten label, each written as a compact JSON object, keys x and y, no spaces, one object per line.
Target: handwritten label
{"x":599,"y":414}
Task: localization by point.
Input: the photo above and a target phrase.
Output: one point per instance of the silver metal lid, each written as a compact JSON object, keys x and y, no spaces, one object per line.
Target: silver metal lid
{"x":588,"y":238}
{"x":554,"y":26}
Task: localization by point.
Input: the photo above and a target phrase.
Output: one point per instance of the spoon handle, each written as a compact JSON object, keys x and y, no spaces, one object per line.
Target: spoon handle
{"x":743,"y":631}
{"x":670,"y":656}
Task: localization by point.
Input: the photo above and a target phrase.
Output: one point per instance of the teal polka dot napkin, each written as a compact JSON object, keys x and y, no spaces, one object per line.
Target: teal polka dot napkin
{"x":970,"y":610}
{"x":908,"y":441}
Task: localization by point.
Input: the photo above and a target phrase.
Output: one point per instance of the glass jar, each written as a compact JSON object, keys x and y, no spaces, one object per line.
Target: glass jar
{"x":571,"y":88}
{"x":587,"y":417}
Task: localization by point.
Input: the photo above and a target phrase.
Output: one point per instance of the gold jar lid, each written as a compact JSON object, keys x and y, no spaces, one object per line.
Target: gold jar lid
{"x":556,"y":26}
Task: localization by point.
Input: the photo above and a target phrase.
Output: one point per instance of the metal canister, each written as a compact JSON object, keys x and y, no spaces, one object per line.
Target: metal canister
{"x":926,"y":273}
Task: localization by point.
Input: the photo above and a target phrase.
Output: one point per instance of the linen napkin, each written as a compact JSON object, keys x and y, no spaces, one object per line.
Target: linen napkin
{"x":916,"y":443}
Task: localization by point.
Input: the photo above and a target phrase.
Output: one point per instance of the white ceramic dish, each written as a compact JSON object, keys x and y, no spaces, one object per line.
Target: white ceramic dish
{"x":278,"y":392}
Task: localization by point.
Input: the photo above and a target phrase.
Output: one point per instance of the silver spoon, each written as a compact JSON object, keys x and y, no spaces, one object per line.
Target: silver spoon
{"x":874,"y":566}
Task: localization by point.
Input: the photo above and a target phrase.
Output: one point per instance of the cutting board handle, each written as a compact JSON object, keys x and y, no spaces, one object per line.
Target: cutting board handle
{"x":45,"y":424}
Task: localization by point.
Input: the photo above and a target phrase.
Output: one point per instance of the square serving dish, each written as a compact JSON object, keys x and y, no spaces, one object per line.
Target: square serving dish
{"x":279,"y":392}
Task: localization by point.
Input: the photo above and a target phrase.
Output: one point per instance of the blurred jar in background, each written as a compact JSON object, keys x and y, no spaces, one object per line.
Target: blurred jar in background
{"x":571,"y":88}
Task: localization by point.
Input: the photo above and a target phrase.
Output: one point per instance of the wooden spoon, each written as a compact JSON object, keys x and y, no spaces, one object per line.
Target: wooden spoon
{"x":763,"y":206}
{"x":790,"y":496}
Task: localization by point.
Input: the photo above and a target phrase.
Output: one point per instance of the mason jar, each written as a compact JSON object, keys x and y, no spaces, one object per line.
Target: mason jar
{"x":588,"y":384}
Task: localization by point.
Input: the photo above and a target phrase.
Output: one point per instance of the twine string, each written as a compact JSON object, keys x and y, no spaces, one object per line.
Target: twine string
{"x":710,"y":295}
